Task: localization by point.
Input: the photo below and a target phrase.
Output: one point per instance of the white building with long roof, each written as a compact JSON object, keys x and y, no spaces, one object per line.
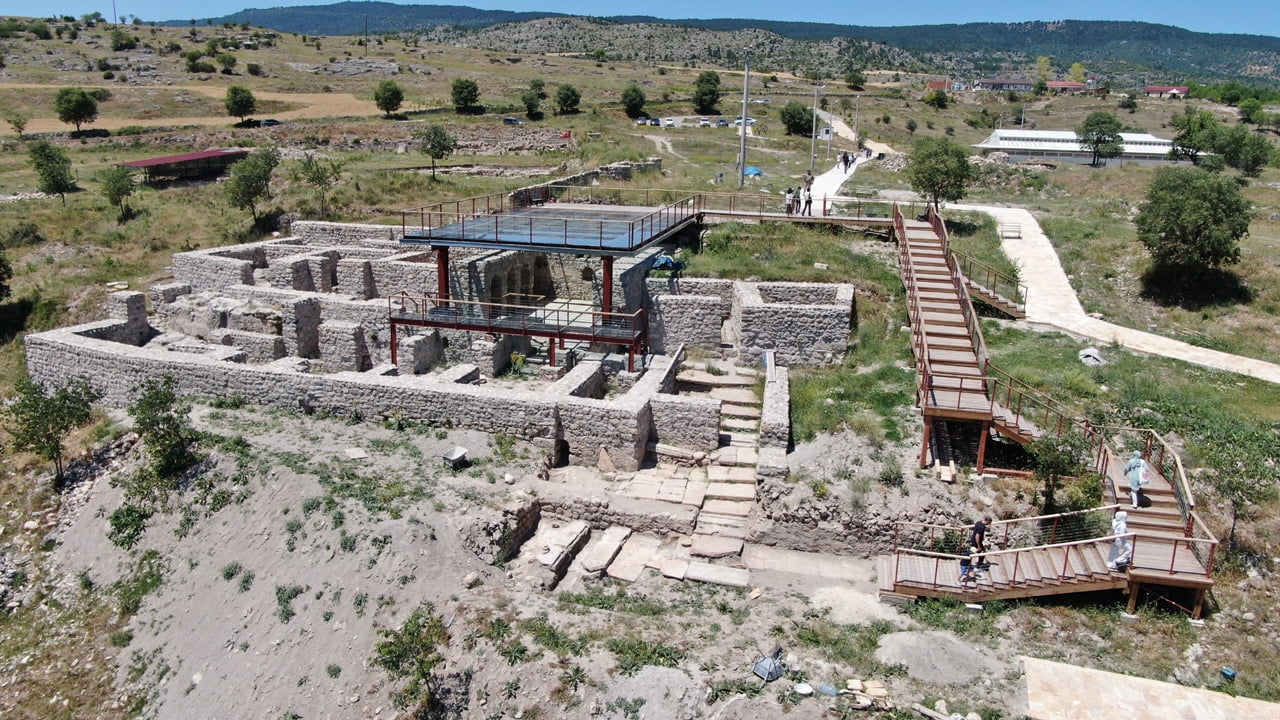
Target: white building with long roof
{"x":1141,"y":148}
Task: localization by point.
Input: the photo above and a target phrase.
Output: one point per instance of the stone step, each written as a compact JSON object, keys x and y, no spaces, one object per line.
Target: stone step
{"x":737,"y":439}
{"x":636,"y":554}
{"x":731,"y":473}
{"x":694,"y":493}
{"x":702,"y":377}
{"x":715,"y":520}
{"x":600,"y":552}
{"x":718,"y":575}
{"x":733,"y":424}
{"x":728,"y":531}
{"x":735,"y":395}
{"x":713,"y":546}
{"x":728,"y":507}
{"x":737,"y":456}
{"x":739,"y":411}
{"x":731,"y":491}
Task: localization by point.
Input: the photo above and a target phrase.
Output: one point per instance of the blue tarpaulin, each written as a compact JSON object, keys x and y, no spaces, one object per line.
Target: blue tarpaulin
{"x":753,"y":170}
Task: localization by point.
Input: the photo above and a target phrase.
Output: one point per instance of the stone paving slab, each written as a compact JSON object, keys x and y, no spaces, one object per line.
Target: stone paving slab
{"x":702,"y":377}
{"x":674,"y":568}
{"x":737,"y":396}
{"x":746,"y":457}
{"x":634,"y":557}
{"x":739,"y":411}
{"x":728,"y":507}
{"x":718,"y":575}
{"x":739,"y":424}
{"x":832,"y":567}
{"x":644,"y":490}
{"x":715,"y":546}
{"x":731,"y":491}
{"x":600,"y":552}
{"x":729,"y":531}
{"x":730,"y":473}
{"x":555,"y":546}
{"x":742,"y":439}
{"x":695,"y":493}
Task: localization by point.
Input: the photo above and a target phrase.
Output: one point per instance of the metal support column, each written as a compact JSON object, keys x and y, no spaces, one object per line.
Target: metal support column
{"x":393,"y":343}
{"x":442,"y":274}
{"x":606,"y":284}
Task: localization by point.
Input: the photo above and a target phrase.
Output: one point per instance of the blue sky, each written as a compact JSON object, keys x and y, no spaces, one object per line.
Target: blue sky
{"x":1259,"y":17}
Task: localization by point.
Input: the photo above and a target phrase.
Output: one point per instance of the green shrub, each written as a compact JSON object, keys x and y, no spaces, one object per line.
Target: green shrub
{"x":285,"y":595}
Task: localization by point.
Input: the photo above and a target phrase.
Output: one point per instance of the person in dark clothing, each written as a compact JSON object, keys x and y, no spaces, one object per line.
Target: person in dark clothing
{"x":978,"y":535}
{"x":967,"y":570}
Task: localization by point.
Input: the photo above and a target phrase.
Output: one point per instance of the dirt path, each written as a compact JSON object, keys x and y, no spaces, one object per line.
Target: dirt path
{"x":665,"y":146}
{"x":313,"y":105}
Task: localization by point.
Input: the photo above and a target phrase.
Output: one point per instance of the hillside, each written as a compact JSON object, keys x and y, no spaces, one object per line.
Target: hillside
{"x":1138,"y":51}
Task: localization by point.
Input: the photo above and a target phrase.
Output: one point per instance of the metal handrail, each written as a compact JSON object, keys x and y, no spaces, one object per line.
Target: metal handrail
{"x":998,"y":282}
{"x":489,"y":313}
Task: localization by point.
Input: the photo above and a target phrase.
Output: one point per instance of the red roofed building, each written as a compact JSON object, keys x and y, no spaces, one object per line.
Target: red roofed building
{"x":1063,"y":87}
{"x":938,"y":85}
{"x":1173,"y":91}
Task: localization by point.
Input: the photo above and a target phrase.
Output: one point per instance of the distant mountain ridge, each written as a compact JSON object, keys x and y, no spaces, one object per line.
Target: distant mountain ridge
{"x":1134,"y":49}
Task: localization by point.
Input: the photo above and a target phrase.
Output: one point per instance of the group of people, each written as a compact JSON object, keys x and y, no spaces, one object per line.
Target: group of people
{"x":793,"y":198}
{"x":1138,"y":473}
{"x":846,"y":162}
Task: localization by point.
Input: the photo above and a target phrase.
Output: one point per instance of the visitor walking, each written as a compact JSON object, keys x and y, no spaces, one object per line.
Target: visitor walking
{"x":1136,"y":471}
{"x":790,"y":200}
{"x":967,"y":561}
{"x":978,"y":535}
{"x":1121,"y":549}
{"x":808,"y":203}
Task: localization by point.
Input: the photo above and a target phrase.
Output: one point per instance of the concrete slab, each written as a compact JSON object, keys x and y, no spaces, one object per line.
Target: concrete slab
{"x":737,"y":396}
{"x":636,"y":554}
{"x":728,"y":507}
{"x":1056,"y":691}
{"x":713,"y":546}
{"x":731,"y":491}
{"x":695,"y":493}
{"x":718,"y":575}
{"x":601,"y":551}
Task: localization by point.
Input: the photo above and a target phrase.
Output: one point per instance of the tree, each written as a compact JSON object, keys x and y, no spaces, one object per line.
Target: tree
{"x":1077,"y":73}
{"x":321,"y":175}
{"x":633,"y":100}
{"x":1244,"y":150}
{"x":1197,"y":134}
{"x":465,"y":94}
{"x":539,"y":86}
{"x":1193,"y":219}
{"x":567,"y":99}
{"x":939,"y":169}
{"x":1127,"y":102}
{"x":936,"y":99}
{"x":1100,"y":135}
{"x":797,"y":118}
{"x":1044,"y":66}
{"x":117,"y":186}
{"x":706,"y":93}
{"x":1054,"y":459}
{"x":162,"y":421}
{"x":1041,"y":87}
{"x":249,"y":180}
{"x":38,"y":419}
{"x":436,"y":143}
{"x":227,"y":61}
{"x":1241,"y":469}
{"x":388,"y":97}
{"x":1248,"y":109}
{"x":75,"y":106}
{"x":532,"y":104}
{"x":240,"y":102}
{"x":53,"y":170}
{"x":18,"y":122}
{"x":855,"y":80}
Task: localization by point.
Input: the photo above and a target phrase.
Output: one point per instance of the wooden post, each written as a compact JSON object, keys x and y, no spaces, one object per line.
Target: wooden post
{"x":1134,"y":589}
{"x":982,"y":446}
{"x":924,"y":447}
{"x":393,"y":344}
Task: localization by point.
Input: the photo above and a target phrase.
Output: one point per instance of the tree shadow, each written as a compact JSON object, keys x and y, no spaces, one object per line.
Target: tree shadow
{"x":1194,"y":288}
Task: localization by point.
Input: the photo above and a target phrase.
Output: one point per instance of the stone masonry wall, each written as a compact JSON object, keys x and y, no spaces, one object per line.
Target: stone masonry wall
{"x":692,"y":320}
{"x":799,"y":334}
{"x":775,"y":413}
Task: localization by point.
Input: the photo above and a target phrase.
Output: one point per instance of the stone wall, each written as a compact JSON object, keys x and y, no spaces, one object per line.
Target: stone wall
{"x":601,"y":512}
{"x":775,"y":412}
{"x":692,"y":320}
{"x":804,"y":334}
{"x":331,"y":233}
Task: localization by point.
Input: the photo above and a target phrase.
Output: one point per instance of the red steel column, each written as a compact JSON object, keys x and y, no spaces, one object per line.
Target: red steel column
{"x":606,"y":292}
{"x":442,"y":274}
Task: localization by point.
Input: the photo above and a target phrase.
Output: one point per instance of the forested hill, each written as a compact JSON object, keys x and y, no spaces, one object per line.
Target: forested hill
{"x":1135,"y":49}
{"x":348,"y":18}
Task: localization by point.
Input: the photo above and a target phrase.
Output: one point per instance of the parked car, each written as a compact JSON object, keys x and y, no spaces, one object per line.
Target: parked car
{"x":704,"y":122}
{"x":654,"y":122}
{"x":642,"y":120}
{"x":269,"y":122}
{"x":738,"y":121}
{"x":668,"y":122}
{"x":722,"y":122}
{"x":512,"y":121}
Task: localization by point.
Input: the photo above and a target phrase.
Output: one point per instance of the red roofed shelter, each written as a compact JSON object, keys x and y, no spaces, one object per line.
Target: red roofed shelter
{"x":188,"y":165}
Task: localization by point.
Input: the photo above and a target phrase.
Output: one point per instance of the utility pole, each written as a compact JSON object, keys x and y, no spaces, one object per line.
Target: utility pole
{"x":366,"y":35}
{"x":742,"y":141}
{"x":857,"y":106}
{"x":813,"y":134}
